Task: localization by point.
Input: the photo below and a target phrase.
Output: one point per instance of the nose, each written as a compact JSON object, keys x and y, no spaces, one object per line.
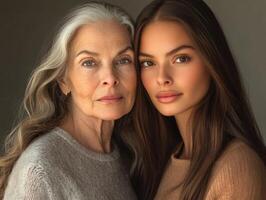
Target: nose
{"x":110,"y":77}
{"x":164,"y":76}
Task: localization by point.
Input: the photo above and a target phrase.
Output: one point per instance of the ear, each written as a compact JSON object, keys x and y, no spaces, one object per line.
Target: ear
{"x":63,"y":86}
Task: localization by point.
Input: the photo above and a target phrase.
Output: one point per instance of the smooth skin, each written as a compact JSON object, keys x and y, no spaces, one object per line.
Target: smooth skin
{"x":173,"y":74}
{"x":101,"y":80}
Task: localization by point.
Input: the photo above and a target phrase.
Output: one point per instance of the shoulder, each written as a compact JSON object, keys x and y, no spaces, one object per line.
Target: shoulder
{"x":239,"y":171}
{"x":40,"y":155}
{"x":239,"y":156}
{"x":29,"y":181}
{"x":32,"y":171}
{"x":43,"y":149}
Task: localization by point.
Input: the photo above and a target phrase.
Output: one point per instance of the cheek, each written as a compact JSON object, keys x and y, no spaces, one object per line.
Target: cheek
{"x":132,"y":79}
{"x":129,"y":79}
{"x":147,"y":79}
{"x":197,"y":82}
{"x":82,"y":84}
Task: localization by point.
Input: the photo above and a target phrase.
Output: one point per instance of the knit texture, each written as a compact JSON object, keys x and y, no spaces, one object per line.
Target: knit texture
{"x":56,"y":167}
{"x":239,"y":174}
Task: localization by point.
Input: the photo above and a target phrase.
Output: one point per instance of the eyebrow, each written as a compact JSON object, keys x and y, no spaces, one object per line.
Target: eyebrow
{"x":175,"y":50}
{"x":87,"y":52}
{"x":97,"y":54}
{"x":124,"y":50}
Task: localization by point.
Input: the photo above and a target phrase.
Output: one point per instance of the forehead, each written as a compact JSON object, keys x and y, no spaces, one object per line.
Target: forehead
{"x":100,"y":35}
{"x":163,"y":35}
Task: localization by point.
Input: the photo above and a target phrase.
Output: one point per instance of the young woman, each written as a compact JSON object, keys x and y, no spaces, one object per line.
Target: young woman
{"x":198,"y":136}
{"x":65,"y":147}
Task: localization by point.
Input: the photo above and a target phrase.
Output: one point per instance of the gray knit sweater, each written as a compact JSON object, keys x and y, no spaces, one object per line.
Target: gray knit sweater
{"x":56,"y":167}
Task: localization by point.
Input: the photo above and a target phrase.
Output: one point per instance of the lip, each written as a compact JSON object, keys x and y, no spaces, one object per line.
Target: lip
{"x":110,"y":98}
{"x":168,"y":96}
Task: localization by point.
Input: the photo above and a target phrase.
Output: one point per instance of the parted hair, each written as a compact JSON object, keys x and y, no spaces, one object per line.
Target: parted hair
{"x":222,"y":115}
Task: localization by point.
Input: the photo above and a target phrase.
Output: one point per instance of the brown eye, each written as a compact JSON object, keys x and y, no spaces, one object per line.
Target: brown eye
{"x":146,"y":63}
{"x":182,"y":59}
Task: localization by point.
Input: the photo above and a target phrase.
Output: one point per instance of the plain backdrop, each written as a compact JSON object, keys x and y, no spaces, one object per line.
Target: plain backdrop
{"x":27,"y":26}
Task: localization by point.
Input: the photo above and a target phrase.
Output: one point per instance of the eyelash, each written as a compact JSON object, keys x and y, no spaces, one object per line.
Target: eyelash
{"x":122,"y":61}
{"x":89,"y":60}
{"x":127,"y":59}
{"x":186,"y":57}
{"x":142,"y":63}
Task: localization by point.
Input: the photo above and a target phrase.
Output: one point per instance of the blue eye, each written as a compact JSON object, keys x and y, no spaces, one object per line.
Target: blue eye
{"x":146,"y":63}
{"x":124,"y":61}
{"x":88,"y":63}
{"x":182,"y":59}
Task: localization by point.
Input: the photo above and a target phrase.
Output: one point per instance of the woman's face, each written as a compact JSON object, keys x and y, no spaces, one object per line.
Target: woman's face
{"x":101,"y":74}
{"x":172,"y":71}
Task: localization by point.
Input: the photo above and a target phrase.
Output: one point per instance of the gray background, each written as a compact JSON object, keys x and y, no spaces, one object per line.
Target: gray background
{"x":27,"y":26}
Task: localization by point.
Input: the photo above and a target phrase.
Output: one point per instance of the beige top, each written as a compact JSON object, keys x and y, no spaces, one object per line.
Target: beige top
{"x":238,"y":174}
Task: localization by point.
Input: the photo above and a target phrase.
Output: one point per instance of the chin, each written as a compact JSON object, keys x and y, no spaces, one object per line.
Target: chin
{"x":167,"y":114}
{"x":111,"y":116}
{"x":171,"y":111}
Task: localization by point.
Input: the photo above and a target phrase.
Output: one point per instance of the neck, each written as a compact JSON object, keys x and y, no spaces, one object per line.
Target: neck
{"x":184,"y":126}
{"x":93,"y":133}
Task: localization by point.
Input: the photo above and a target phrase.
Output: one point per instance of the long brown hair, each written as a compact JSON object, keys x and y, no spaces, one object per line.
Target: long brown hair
{"x":223,"y":114}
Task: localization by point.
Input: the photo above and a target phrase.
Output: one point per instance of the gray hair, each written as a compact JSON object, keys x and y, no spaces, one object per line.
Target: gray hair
{"x":57,"y":56}
{"x":43,"y":107}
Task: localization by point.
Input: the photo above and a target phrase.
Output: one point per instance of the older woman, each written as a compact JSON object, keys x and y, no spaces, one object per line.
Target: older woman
{"x":64,"y":148}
